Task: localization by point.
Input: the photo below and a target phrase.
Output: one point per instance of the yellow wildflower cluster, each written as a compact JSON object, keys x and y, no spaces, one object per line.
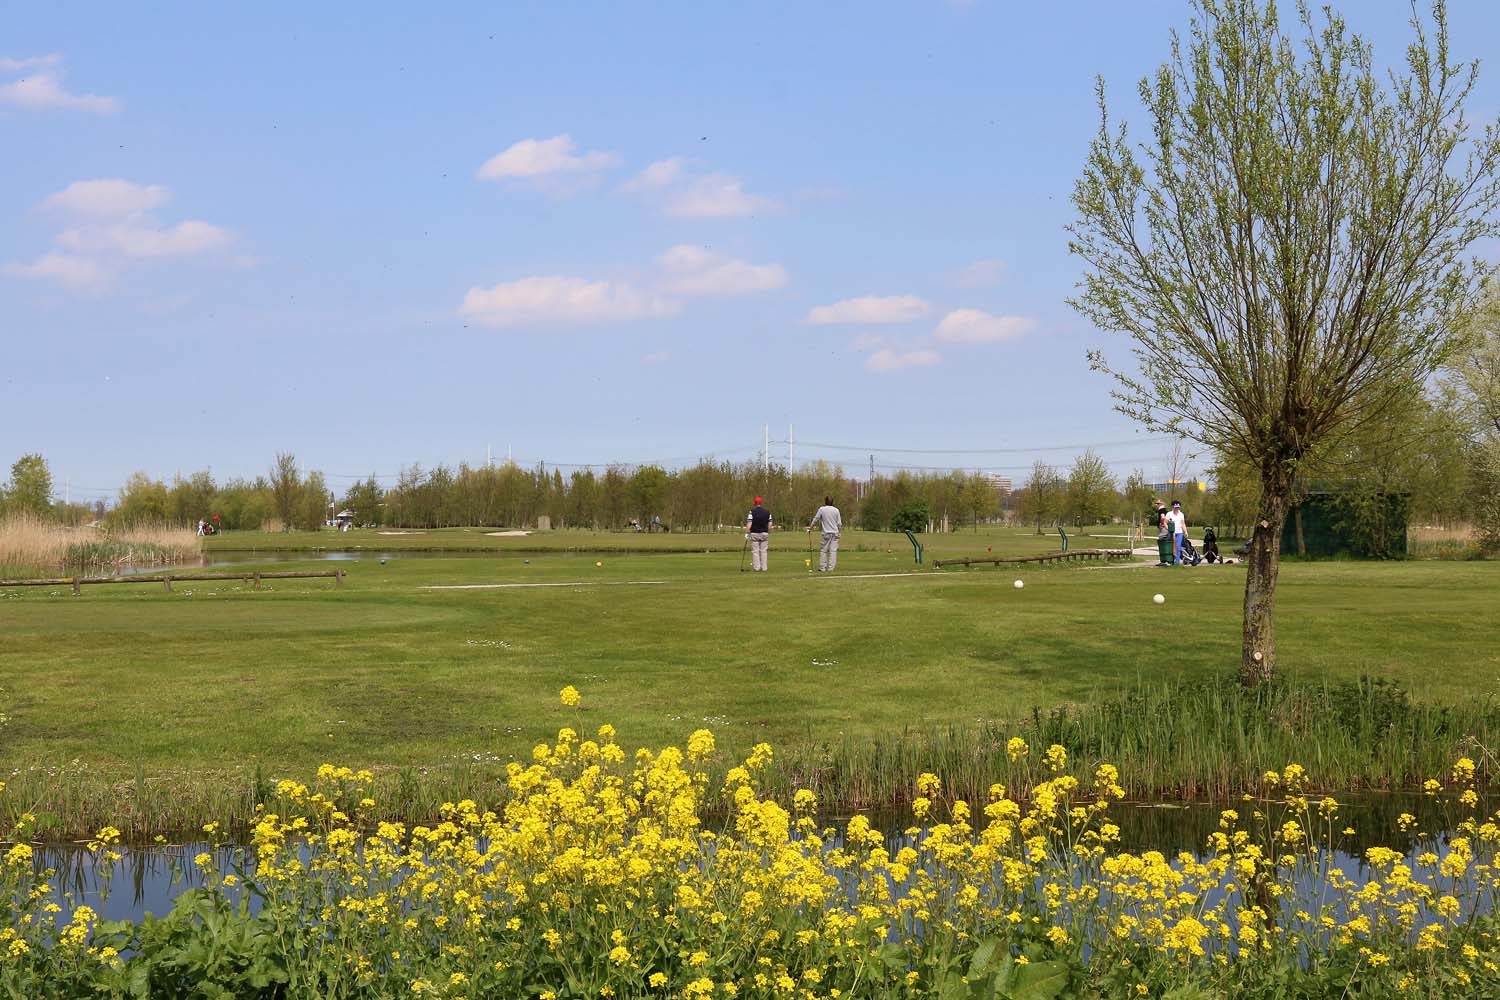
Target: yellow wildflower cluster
{"x":613,"y":875}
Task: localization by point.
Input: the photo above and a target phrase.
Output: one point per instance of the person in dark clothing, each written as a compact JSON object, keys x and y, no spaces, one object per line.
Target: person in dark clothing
{"x":1163,"y":521}
{"x":758,"y":525}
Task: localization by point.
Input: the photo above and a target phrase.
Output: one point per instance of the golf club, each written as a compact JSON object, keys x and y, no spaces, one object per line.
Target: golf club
{"x":743,"y":549}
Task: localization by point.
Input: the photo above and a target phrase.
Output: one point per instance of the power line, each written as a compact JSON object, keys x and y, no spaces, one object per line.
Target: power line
{"x":980,"y":451}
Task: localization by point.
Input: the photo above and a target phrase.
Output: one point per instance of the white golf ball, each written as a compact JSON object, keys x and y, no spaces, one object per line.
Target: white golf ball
{"x":1159,"y":599}
{"x":598,"y":564}
{"x":1020,"y":584}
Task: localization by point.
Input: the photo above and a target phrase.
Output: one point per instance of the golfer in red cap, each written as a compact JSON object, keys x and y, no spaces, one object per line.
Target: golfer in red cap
{"x":758,"y":528}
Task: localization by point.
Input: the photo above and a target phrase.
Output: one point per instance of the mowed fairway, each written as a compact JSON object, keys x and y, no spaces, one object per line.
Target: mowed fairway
{"x":215,"y":677}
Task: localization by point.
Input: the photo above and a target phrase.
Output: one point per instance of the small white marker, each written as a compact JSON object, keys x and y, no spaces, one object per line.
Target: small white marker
{"x":1159,"y":599}
{"x":1020,"y":584}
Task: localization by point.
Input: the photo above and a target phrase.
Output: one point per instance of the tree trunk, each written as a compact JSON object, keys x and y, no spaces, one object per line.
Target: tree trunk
{"x":1301,"y":541}
{"x":1258,"y":653}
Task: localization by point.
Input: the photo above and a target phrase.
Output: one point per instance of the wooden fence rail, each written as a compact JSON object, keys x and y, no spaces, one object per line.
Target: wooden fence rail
{"x":167,"y":579}
{"x":1070,"y":556}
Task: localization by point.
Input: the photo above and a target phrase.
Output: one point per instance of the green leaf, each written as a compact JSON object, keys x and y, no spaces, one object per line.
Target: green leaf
{"x":1039,"y":981}
{"x":984,"y":958}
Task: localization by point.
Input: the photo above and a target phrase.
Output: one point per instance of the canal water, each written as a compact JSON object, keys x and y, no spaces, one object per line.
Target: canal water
{"x":148,"y":878}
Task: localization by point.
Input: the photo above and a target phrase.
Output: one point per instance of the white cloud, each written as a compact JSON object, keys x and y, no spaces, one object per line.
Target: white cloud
{"x":974,"y":326}
{"x":656,"y":358}
{"x":533,"y":159}
{"x":118,"y":230}
{"x":656,"y":176}
{"x":681,"y":192}
{"x":980,"y":274}
{"x":107,"y":197}
{"x":9,"y":65}
{"x":889,"y":360}
{"x":870,"y":309}
{"x":715,"y":196}
{"x":692,"y":270}
{"x":560,"y":300}
{"x":43,"y":89}
{"x":147,"y":240}
{"x":79,"y":273}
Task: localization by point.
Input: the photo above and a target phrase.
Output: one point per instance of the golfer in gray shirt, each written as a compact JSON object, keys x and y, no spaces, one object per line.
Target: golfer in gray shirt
{"x":830,"y":522}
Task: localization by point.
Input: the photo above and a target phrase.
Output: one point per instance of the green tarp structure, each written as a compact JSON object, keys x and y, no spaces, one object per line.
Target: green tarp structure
{"x":1349,"y":524}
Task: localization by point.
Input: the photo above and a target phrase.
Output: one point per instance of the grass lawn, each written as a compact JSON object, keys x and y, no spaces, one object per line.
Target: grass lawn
{"x":217,"y":677}
{"x":1004,"y":540}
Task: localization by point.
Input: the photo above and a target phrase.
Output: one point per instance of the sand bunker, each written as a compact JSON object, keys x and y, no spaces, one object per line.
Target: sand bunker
{"x":507,"y":534}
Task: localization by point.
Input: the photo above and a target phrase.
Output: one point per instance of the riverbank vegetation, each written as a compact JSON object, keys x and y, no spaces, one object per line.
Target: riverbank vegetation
{"x":639,"y":875}
{"x":433,"y":689}
{"x":31,"y":546}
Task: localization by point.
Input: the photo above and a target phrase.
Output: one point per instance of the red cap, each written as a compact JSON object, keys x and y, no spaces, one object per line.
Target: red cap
{"x":757,"y":501}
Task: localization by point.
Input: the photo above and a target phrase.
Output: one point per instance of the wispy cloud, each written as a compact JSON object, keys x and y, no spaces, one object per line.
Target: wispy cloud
{"x":679,"y":191}
{"x":69,"y":270}
{"x":655,"y":176}
{"x":974,"y":326}
{"x":870,"y":309}
{"x":147,"y":240}
{"x":109,"y":197}
{"x":12,"y":65}
{"x":890,"y":360}
{"x":115,"y":227}
{"x":557,"y":300}
{"x":656,"y":358}
{"x":537,"y":160}
{"x":693,"y":270}
{"x":980,"y":274}
{"x":41,"y":89}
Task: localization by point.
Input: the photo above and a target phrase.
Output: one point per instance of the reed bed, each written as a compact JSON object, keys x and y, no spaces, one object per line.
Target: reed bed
{"x":31,"y":547}
{"x":1177,"y":742}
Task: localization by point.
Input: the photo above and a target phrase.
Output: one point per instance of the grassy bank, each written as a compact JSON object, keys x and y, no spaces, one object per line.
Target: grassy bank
{"x":611,"y":874}
{"x":163,"y":708}
{"x":1202,"y":741}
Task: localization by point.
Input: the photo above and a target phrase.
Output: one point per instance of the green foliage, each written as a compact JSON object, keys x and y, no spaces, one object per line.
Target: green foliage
{"x":142,"y":500}
{"x":1289,"y":248}
{"x":1090,"y":490}
{"x":1486,"y":499}
{"x":30,"y":487}
{"x":912,"y":515}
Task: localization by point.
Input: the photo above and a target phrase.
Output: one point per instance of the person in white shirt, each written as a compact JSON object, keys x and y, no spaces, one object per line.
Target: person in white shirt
{"x":1179,"y":528}
{"x":830,"y":522}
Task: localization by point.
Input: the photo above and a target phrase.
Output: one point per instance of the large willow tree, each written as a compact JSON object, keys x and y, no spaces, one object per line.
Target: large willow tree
{"x":1288,"y":248}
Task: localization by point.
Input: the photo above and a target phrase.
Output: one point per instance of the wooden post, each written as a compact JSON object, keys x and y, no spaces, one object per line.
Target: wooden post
{"x":339,"y":579}
{"x":257,"y":581}
{"x":166,"y":584}
{"x":76,"y":588}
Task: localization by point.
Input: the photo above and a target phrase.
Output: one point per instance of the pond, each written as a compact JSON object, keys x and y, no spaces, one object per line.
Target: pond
{"x":148,"y":878}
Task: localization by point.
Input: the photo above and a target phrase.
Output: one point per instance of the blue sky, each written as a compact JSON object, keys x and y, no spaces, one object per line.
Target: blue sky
{"x":589,"y":232}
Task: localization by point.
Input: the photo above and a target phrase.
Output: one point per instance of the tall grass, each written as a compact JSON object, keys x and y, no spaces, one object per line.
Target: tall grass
{"x":1173,"y":742}
{"x":1430,"y":542}
{"x":31,"y":547}
{"x":1183,"y":740}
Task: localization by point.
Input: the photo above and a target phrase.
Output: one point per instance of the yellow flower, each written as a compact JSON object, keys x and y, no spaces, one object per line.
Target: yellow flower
{"x":700,"y":744}
{"x":570,"y":697}
{"x":657,"y":979}
{"x":1016,"y":748}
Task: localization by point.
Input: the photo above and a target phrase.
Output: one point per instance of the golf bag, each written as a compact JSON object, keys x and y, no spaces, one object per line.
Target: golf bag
{"x":1211,"y":545}
{"x":1190,"y":556}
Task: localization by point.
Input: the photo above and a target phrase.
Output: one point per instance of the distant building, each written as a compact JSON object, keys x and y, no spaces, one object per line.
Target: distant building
{"x":1002,"y":484}
{"x":1178,"y":488}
